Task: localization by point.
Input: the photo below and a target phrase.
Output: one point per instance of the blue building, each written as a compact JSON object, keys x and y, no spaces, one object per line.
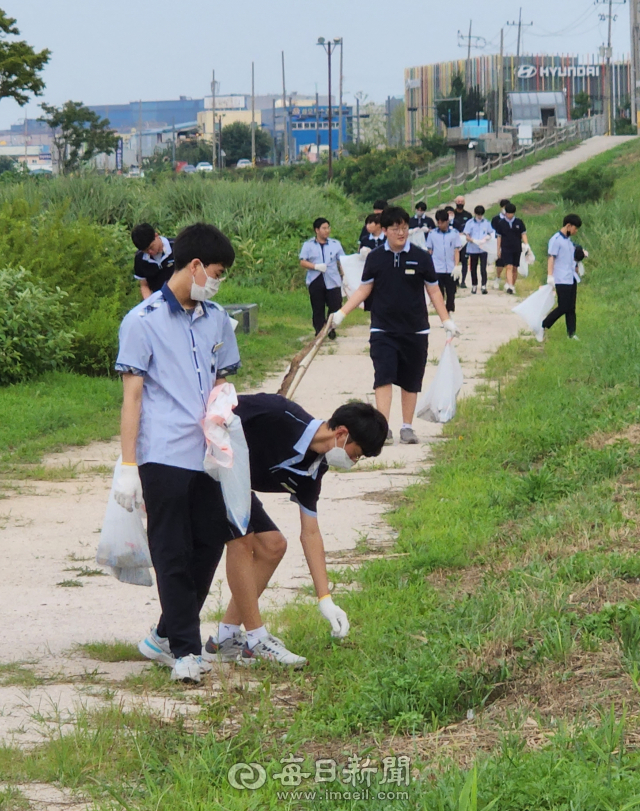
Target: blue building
{"x":144,"y":115}
{"x":307,"y":125}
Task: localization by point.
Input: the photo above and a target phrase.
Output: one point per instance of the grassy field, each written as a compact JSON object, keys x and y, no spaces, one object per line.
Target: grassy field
{"x":498,"y":649}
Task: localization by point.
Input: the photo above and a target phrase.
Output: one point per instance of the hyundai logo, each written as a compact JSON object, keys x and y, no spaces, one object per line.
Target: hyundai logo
{"x":527,"y":71}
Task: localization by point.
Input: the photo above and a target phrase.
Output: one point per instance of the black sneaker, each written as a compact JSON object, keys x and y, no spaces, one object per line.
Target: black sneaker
{"x":484,"y":290}
{"x":474,"y":289}
{"x":332,"y":335}
{"x":463,"y":285}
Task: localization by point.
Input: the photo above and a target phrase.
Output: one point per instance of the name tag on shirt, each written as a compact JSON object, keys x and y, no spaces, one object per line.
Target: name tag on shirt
{"x":409,"y":272}
{"x":217,"y":346}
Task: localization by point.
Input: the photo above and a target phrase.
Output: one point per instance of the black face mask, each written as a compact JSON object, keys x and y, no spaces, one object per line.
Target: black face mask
{"x":459,"y":207}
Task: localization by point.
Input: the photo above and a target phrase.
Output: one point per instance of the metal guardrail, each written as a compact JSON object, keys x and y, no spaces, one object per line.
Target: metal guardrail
{"x":576,"y":131}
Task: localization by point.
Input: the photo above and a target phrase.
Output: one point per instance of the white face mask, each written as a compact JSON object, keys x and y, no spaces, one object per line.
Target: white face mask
{"x":206,"y":291}
{"x":338,"y":457}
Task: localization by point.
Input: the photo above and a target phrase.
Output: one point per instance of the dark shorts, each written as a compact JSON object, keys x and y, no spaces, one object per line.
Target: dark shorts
{"x":511,"y":258}
{"x":259,"y":520}
{"x":399,"y":359}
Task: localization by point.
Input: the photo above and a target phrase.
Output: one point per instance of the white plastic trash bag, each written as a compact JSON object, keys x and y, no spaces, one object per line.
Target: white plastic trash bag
{"x":438,"y":403}
{"x":123,"y":546}
{"x":535,"y":309}
{"x":526,"y":258}
{"x":491,"y":247}
{"x":418,"y":239}
{"x":352,"y":267}
{"x":227,"y":456}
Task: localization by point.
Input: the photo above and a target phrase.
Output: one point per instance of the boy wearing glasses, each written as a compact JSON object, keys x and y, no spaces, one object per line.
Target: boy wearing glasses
{"x":395,"y":277}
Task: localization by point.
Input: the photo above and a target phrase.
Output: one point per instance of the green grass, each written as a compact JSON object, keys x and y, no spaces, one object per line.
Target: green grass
{"x":116,"y":651}
{"x":15,"y":674}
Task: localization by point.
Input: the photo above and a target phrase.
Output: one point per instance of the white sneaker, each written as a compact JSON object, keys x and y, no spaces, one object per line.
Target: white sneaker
{"x":271,"y":649}
{"x":227,"y":651}
{"x":157,"y":648}
{"x":189,"y":669}
{"x":496,"y":284}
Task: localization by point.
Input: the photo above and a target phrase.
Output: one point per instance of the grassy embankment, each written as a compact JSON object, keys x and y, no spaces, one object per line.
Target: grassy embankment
{"x":513,"y":603}
{"x":72,"y":233}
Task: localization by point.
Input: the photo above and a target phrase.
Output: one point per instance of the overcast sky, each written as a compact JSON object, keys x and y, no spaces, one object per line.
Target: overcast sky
{"x":124,"y":50}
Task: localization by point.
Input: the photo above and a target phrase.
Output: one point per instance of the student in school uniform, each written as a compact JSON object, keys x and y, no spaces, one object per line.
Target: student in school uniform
{"x":562,"y":273}
{"x":476,"y":230}
{"x":289,"y":452}
{"x":442,"y":244}
{"x":420,"y":220}
{"x":397,"y":274}
{"x":494,"y":224}
{"x":319,"y":256}
{"x":174,"y":347}
{"x":153,"y":264}
{"x":375,"y":235}
{"x":378,"y":207}
{"x":460,"y":218}
{"x":511,"y":233}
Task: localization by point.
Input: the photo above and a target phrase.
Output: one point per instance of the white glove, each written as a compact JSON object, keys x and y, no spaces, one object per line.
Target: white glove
{"x":336,"y":616}
{"x":457,"y":273}
{"x":364,"y":252}
{"x":128,"y":488}
{"x":586,"y":254}
{"x":580,"y":269}
{"x":551,"y":281}
{"x":424,"y":229}
{"x":321,"y":267}
{"x":337,"y":318}
{"x":451,"y":329}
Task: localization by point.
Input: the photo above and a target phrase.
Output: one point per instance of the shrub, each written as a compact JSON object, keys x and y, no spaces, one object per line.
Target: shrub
{"x":33,"y":327}
{"x":587,"y":185}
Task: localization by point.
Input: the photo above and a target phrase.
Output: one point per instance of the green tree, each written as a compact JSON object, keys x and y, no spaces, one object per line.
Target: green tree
{"x":79,"y":134}
{"x":582,"y":105}
{"x":20,"y":65}
{"x":472,"y":103}
{"x":236,"y":142}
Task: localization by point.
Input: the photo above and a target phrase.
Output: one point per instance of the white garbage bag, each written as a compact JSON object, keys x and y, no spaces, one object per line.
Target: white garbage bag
{"x":438,"y":403}
{"x":526,"y":258}
{"x":352,"y":267}
{"x":535,"y":309}
{"x":489,"y":245}
{"x":123,"y":546}
{"x":418,"y":239}
{"x":227,"y":456}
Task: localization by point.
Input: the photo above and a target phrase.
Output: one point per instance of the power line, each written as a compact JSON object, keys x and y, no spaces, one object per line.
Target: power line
{"x":520,"y":25}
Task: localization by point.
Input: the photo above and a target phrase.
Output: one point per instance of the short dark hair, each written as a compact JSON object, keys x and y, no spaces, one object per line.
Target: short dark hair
{"x":573,"y":219}
{"x":510,"y":208}
{"x":393,"y":216}
{"x":479,"y":210}
{"x":367,"y":427}
{"x":204,"y":242}
{"x":504,"y":202}
{"x":142,"y":235}
{"x":449,"y":208}
{"x":372,"y":218}
{"x":319,"y":222}
{"x":442,"y":215}
{"x":421,"y":206}
{"x":381,"y":204}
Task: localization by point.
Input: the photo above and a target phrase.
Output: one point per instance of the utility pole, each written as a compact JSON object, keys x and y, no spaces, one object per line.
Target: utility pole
{"x":140,"y":134}
{"x":388,"y":120}
{"x":253,"y":117}
{"x":606,"y":52}
{"x":520,"y":25}
{"x":220,"y":143}
{"x":469,"y":41}
{"x":213,"y":118}
{"x":285,"y":115}
{"x":501,"y":82}
{"x":317,"y":125}
{"x":173,"y":143}
{"x":358,"y":120}
{"x":340,"y":108}
{"x":329,"y":47}
{"x":635,"y":58}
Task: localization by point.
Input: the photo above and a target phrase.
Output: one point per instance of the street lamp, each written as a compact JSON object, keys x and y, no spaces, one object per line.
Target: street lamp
{"x":329,"y":48}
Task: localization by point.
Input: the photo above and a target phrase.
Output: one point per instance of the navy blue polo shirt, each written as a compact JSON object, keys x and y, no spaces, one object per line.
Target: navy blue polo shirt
{"x":155,"y":270}
{"x":373,"y":242}
{"x":419,"y":222}
{"x":511,"y":232}
{"x":278,"y":434}
{"x":398,"y":279}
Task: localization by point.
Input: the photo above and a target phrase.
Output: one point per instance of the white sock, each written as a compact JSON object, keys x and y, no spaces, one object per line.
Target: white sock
{"x":226,"y":631}
{"x":406,"y":425}
{"x":253,"y":637}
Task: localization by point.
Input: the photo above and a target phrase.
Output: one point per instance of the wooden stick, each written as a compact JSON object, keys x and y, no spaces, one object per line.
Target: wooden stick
{"x":302,"y":360}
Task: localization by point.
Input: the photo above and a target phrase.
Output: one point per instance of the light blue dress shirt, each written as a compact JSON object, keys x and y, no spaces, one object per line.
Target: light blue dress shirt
{"x":564,"y":265}
{"x":477,"y":229}
{"x":326,"y":253}
{"x":180,"y":354}
{"x":442,"y":245}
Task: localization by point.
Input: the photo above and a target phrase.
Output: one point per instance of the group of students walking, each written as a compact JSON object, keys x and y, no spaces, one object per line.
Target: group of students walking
{"x":177,"y":346}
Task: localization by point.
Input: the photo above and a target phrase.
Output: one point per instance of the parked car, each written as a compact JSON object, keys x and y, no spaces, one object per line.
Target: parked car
{"x":243,"y":163}
{"x":204,"y":166}
{"x":135,"y":171}
{"x":189,"y":169}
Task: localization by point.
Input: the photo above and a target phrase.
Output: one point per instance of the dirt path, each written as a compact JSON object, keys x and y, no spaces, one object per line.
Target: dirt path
{"x":49,"y":531}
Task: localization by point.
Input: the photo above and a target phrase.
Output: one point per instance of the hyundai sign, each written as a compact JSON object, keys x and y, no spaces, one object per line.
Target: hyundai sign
{"x":529,"y":71}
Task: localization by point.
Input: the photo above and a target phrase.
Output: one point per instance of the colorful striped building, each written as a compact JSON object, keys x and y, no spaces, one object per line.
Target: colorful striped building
{"x":426,"y":84}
